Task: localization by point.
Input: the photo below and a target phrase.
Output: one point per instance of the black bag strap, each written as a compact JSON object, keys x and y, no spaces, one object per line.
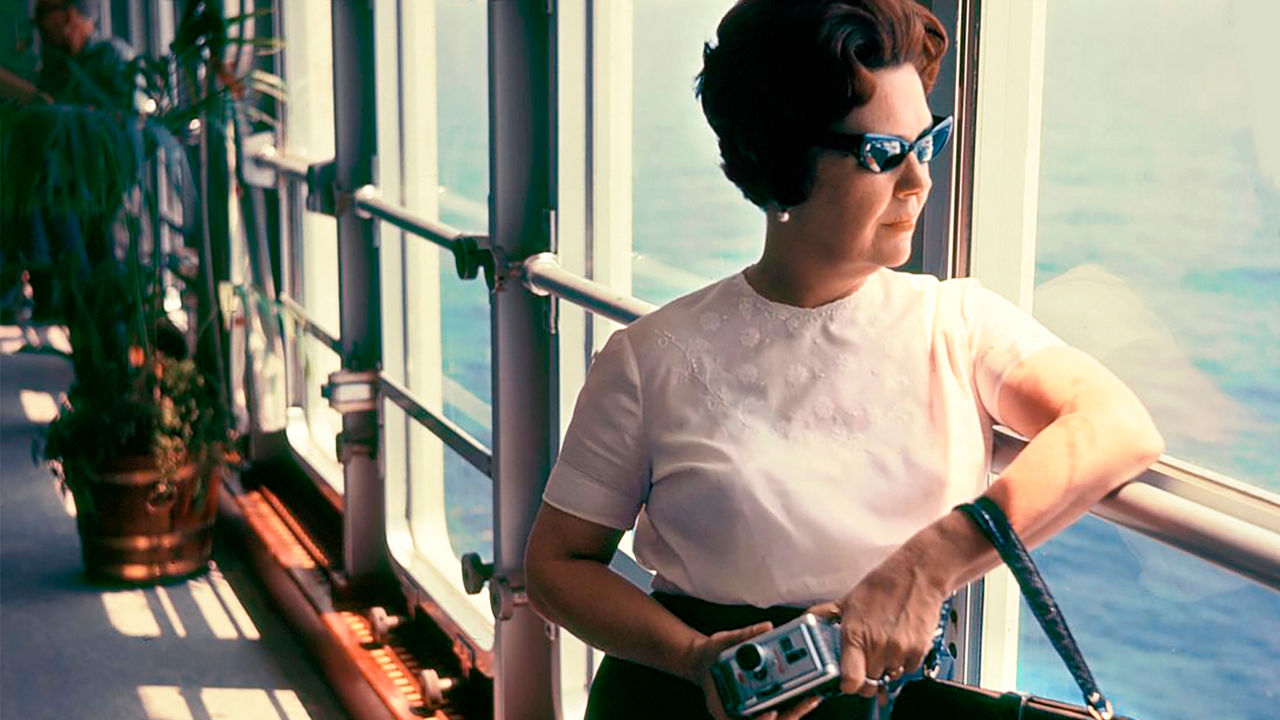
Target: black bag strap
{"x":991,"y":520}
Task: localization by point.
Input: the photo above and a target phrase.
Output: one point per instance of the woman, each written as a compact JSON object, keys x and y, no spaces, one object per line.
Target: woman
{"x":795,"y":436}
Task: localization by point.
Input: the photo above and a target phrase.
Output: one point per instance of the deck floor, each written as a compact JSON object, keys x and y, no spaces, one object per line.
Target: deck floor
{"x":207,"y":648}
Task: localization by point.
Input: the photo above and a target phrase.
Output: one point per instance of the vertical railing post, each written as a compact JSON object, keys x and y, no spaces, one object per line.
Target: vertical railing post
{"x":364,"y":547}
{"x":521,"y":98}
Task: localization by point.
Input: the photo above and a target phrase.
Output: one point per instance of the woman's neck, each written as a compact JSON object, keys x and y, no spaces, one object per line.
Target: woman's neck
{"x":787,"y":274}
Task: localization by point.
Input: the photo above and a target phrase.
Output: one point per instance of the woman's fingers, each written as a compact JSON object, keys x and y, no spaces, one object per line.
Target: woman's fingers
{"x":828,"y":610}
{"x":729,"y":638}
{"x":853,"y":668}
{"x":715,"y":644}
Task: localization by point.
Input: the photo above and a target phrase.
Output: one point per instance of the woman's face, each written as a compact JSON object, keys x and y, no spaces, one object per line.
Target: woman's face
{"x":863,"y":217}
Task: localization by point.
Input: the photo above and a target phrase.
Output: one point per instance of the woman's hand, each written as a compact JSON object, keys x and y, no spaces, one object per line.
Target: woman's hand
{"x":703,"y":655}
{"x":887,"y":625}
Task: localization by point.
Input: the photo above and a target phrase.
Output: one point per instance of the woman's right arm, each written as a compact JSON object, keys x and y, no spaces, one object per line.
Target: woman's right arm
{"x":569,"y":582}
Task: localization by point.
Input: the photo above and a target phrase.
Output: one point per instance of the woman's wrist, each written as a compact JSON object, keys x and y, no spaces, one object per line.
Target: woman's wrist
{"x":942,"y":556}
{"x":692,"y":666}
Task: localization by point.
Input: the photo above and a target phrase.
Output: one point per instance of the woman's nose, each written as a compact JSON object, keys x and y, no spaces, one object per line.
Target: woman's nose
{"x":914,"y":178}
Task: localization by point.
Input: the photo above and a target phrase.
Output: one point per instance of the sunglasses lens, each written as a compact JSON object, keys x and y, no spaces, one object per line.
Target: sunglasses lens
{"x":929,"y":146}
{"x":881,"y":154}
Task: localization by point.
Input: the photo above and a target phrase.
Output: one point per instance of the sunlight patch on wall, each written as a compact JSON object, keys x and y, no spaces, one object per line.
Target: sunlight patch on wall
{"x":130,"y":614}
{"x":167,"y":702}
{"x":164,"y":702}
{"x":39,"y":407}
{"x":217,"y":618}
{"x":228,"y":596}
{"x":175,"y":620}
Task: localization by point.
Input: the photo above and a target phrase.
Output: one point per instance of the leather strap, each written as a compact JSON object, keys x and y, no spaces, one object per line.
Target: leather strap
{"x":993,"y":523}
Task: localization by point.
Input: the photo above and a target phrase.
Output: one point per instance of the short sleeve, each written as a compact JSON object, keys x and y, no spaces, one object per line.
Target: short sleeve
{"x":1001,"y":335}
{"x":603,"y":470}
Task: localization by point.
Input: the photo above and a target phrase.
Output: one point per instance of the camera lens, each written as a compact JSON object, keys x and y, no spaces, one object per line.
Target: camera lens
{"x":748,"y":657}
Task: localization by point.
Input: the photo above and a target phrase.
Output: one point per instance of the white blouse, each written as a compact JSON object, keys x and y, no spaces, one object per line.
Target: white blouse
{"x":773,"y":455}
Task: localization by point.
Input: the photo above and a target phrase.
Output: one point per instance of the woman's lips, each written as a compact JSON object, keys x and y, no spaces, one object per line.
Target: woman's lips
{"x":905,"y":224}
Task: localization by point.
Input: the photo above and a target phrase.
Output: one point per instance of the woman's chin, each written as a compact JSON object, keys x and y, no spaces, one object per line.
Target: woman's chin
{"x":895,"y":251}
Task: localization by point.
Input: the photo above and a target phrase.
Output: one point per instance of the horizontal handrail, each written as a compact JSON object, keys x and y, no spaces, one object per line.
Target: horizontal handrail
{"x":1212,"y":518}
{"x":543,"y":275}
{"x":309,"y":325}
{"x":368,"y":200}
{"x":1162,"y":505}
{"x":449,"y":433}
{"x":288,"y":165}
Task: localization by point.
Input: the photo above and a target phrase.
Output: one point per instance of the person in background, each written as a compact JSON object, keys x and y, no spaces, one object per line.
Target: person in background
{"x":77,"y":65}
{"x":796,"y":436}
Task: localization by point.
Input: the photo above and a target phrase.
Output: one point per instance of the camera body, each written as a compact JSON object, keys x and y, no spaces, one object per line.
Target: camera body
{"x":792,"y":661}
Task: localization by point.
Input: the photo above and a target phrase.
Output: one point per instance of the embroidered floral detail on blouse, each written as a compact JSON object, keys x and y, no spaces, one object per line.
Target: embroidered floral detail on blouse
{"x":749,"y":338}
{"x":695,"y":368}
{"x":747,"y":374}
{"x":746,"y":306}
{"x":710,"y":320}
{"x":798,"y":374}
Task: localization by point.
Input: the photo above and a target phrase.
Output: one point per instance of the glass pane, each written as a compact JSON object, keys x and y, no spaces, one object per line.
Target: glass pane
{"x":1159,"y":206}
{"x":1166,"y":635}
{"x":690,"y":224}
{"x":463,"y":110}
{"x":308,"y":132}
{"x":463,"y":114}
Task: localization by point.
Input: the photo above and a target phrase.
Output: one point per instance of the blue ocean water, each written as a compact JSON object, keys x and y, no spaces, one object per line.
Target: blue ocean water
{"x":1158,"y":250}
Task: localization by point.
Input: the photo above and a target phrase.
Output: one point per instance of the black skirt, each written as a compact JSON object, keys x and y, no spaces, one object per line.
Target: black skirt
{"x":624,"y":690}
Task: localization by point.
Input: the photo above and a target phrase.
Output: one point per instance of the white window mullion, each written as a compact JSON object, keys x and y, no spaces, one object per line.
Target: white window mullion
{"x":1007,"y":158}
{"x":612,"y":91}
{"x":1002,"y":255}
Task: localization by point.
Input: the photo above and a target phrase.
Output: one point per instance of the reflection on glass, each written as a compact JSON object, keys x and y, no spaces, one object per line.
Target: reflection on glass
{"x":1157,"y":254}
{"x":691,"y":226}
{"x":1157,"y":248}
{"x":463,"y":113}
{"x":1166,"y":635}
{"x":463,"y":116}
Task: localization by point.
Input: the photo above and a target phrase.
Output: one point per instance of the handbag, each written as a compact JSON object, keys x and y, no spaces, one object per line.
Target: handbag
{"x":931,"y":698}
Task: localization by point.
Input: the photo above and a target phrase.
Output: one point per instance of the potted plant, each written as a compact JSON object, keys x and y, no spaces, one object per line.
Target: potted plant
{"x":144,"y":435}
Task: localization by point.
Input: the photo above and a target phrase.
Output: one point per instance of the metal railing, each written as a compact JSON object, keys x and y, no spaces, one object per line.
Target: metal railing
{"x":309,"y":325}
{"x":290,"y":166}
{"x":471,"y":450}
{"x":369,"y":201}
{"x":542,"y":275}
{"x":1171,"y":503}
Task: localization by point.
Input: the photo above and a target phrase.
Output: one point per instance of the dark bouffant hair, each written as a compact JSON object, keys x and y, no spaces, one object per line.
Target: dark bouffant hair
{"x":782,"y":71}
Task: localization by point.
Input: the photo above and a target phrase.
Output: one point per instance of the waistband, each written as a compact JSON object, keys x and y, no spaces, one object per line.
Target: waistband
{"x":708,"y":617}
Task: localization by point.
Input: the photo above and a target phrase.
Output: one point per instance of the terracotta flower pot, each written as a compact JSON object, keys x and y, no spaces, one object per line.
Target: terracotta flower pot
{"x":140,"y":526}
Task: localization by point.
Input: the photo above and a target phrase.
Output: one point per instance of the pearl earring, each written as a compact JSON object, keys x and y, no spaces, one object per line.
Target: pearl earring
{"x":784,"y":216}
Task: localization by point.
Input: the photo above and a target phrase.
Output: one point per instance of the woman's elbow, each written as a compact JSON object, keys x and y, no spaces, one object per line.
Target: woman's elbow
{"x":536,"y":561}
{"x":1142,"y":443}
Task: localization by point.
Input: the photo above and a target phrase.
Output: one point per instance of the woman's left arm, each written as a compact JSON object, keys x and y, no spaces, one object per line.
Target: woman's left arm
{"x":1088,"y":435}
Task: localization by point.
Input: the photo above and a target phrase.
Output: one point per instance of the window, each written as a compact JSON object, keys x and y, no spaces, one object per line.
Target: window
{"x":1159,"y":204}
{"x":1164,"y":633}
{"x":1128,"y":192}
{"x":432,"y":114}
{"x":463,"y":122}
{"x":690,"y":225}
{"x":311,"y":261}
